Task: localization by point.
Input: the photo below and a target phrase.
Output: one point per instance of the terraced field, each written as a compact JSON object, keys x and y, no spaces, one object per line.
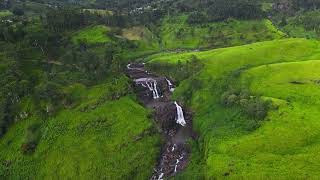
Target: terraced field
{"x":285,"y":145}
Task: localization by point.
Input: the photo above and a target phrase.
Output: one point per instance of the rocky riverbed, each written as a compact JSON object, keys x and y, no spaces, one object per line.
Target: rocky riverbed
{"x":174,"y":121}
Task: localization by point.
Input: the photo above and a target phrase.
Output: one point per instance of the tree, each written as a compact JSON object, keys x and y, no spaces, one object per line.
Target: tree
{"x":18,"y":11}
{"x":197,"y":18}
{"x":240,"y":9}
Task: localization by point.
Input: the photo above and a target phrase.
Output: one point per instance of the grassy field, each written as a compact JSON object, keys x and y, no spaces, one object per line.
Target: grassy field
{"x":5,"y":13}
{"x":92,"y":35}
{"x":286,"y":145}
{"x":94,"y":140}
{"x":177,"y":33}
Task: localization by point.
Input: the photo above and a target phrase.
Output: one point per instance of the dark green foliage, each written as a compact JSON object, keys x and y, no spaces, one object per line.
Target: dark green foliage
{"x":74,"y":94}
{"x":18,"y":11}
{"x":32,"y":138}
{"x":10,"y":33}
{"x":197,"y":18}
{"x":240,"y":9}
{"x":12,"y":87}
{"x":180,"y":71}
{"x":49,"y":96}
{"x":253,"y":106}
{"x":310,"y":21}
{"x":306,"y":4}
{"x":64,"y":19}
{"x":47,"y":42}
{"x":193,"y":86}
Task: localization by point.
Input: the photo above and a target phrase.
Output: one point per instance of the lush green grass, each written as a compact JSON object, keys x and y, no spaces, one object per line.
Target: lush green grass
{"x":5,"y":13}
{"x":286,"y":146}
{"x":92,"y":35}
{"x":177,"y":33}
{"x":109,"y":140}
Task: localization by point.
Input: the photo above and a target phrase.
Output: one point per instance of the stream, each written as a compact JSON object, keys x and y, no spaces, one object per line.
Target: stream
{"x":175,"y":122}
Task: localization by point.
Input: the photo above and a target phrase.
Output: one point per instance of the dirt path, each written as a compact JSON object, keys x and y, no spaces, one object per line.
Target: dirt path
{"x":174,"y":121}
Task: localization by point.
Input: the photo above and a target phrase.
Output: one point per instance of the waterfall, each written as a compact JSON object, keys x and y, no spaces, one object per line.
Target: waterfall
{"x":155,"y":90}
{"x":151,"y":84}
{"x":128,"y":66}
{"x":180,"y":116}
{"x":160,"y":176}
{"x":173,"y":147}
{"x":170,"y":85}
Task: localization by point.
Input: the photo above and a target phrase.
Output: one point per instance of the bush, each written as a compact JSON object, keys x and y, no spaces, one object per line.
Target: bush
{"x":197,"y":18}
{"x":32,"y":138}
{"x":254,"y":107}
{"x":239,"y":9}
{"x":74,"y":93}
{"x":18,"y":11}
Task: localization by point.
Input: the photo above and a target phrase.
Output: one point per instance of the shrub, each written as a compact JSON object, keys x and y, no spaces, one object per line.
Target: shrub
{"x":254,"y":107}
{"x":32,"y":138}
{"x":197,"y":18}
{"x":18,"y":11}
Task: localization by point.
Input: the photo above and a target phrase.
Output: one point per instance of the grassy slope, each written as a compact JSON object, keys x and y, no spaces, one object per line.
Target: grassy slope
{"x":286,"y":145}
{"x":220,"y":34}
{"x":5,"y":13}
{"x":106,"y":142}
{"x":92,"y":35}
{"x":145,"y":40}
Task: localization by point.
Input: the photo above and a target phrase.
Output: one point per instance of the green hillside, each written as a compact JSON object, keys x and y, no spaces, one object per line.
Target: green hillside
{"x":245,"y":74}
{"x":92,"y":35}
{"x":284,"y":145}
{"x":177,"y":33}
{"x":97,"y":139}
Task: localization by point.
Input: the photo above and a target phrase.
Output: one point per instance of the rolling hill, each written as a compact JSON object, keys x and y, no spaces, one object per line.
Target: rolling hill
{"x":284,"y":145}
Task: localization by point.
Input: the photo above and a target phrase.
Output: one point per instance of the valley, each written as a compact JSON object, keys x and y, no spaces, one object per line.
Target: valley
{"x":159,"y":89}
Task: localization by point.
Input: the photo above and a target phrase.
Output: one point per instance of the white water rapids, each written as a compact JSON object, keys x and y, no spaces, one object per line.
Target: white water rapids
{"x":180,"y":116}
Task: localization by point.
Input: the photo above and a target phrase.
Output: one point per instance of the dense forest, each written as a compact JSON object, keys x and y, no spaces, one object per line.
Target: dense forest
{"x":244,"y":71}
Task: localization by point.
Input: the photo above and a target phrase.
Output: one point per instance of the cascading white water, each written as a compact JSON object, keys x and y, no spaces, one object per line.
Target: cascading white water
{"x":173,"y":147}
{"x":160,"y":176}
{"x":155,"y":90}
{"x":151,"y":84}
{"x":180,"y":117}
{"x":170,"y":85}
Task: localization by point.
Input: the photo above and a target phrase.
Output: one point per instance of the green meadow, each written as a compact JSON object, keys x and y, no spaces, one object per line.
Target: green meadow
{"x":92,"y":35}
{"x":285,"y":145}
{"x":4,"y":13}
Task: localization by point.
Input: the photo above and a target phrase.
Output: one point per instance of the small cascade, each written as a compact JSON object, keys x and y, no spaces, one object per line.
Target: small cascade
{"x":170,"y":85}
{"x":155,"y":90}
{"x":129,"y":66}
{"x":177,"y":162}
{"x":180,"y":116}
{"x":173,"y":147}
{"x":161,"y":176}
{"x":151,"y":84}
